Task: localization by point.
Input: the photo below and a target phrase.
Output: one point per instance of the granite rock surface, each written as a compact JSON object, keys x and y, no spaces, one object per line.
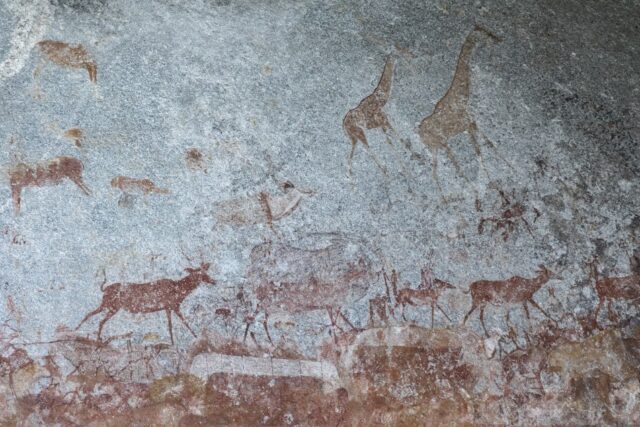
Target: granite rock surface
{"x":235,"y":212}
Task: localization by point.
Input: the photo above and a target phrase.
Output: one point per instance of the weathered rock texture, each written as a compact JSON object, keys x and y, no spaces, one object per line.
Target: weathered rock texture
{"x":337,"y":213}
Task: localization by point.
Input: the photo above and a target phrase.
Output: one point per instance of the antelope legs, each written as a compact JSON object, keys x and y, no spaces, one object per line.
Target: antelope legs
{"x":168,"y":311}
{"x":78,"y":181}
{"x":109,"y":315}
{"x":181,"y":317}
{"x":535,"y":304}
{"x":442,"y":311}
{"x":93,"y":313}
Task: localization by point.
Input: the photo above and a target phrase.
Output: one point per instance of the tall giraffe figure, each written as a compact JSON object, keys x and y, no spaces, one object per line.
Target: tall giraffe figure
{"x":451,"y":115}
{"x":369,"y":114}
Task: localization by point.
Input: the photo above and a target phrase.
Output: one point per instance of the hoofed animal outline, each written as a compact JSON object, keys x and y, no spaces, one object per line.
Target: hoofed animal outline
{"x":51,"y":172}
{"x":451,"y":115}
{"x":427,"y":293}
{"x":149,"y":297}
{"x":609,"y":288}
{"x":369,"y":114}
{"x":328,"y":276}
{"x":515,"y":290}
{"x":66,"y":55}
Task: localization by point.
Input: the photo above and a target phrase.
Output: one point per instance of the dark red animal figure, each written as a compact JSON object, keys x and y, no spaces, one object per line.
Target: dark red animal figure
{"x":428,"y":293}
{"x":516,"y":290}
{"x":52,"y":172}
{"x":161,"y":294}
{"x":507,"y":220}
{"x":610,"y":288}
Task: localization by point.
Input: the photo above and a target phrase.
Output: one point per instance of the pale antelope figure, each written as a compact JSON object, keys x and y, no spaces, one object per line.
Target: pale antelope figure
{"x":369,"y":114}
{"x":51,"y":172}
{"x":516,"y":290}
{"x":288,"y":280}
{"x":451,"y":115}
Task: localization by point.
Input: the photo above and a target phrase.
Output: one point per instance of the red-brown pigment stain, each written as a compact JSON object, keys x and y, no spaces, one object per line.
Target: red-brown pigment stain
{"x":513,"y":212}
{"x":51,"y":172}
{"x":76,"y":135}
{"x":265,"y":400}
{"x":195,"y":159}
{"x":149,"y":297}
{"x":69,"y":56}
{"x":144,"y":185}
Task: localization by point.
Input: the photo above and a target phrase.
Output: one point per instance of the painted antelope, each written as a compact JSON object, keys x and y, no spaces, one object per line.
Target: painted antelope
{"x":68,"y":56}
{"x":427,"y":294}
{"x":51,"y":172}
{"x":149,"y":297}
{"x":369,"y":114}
{"x":143,"y":185}
{"x":288,"y":280}
{"x":451,"y":115}
{"x":516,"y":290}
{"x":610,"y":288}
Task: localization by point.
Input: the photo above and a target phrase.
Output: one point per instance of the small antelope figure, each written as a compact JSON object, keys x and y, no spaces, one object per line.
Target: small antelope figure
{"x":516,"y":290}
{"x":143,"y":185}
{"x":369,"y":114}
{"x":66,"y":55}
{"x":428,"y":293}
{"x":51,"y":172}
{"x":161,"y":294}
{"x":451,"y":115}
{"x":610,"y":288}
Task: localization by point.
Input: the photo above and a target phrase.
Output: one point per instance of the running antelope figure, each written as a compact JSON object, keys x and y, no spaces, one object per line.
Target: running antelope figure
{"x":51,"y":172}
{"x":451,"y":115}
{"x":369,"y":114}
{"x":161,"y":294}
{"x":428,"y":293}
{"x":610,"y":288}
{"x":516,"y":290}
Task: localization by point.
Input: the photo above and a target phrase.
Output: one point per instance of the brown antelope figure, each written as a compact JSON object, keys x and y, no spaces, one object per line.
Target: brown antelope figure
{"x":369,"y":114}
{"x":428,"y":293}
{"x":161,"y":294}
{"x":516,"y":290}
{"x":610,"y":288}
{"x":51,"y":172}
{"x":451,"y":115}
{"x":69,"y":56}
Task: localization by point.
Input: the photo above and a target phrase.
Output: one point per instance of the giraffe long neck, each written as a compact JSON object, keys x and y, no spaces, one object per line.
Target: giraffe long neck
{"x":383,"y":90}
{"x":461,"y":79}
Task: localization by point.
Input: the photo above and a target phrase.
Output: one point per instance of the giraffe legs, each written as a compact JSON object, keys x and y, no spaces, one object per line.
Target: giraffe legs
{"x":473,"y":130}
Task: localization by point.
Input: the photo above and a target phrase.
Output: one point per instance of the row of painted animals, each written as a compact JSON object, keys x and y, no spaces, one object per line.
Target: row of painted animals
{"x":56,"y":170}
{"x":289,"y":291}
{"x":450,"y":117}
{"x":513,"y":291}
